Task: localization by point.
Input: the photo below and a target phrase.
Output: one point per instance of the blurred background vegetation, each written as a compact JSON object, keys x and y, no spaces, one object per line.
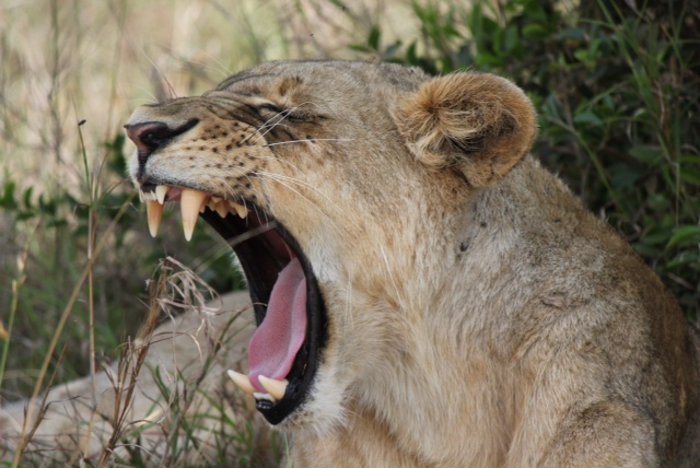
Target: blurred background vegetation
{"x":616,"y":85}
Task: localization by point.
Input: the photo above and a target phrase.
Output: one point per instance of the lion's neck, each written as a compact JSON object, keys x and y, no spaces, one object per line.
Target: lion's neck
{"x":453,"y":367}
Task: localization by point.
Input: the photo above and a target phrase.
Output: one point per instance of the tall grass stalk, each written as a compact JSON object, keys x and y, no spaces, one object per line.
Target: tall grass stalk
{"x":92,"y":183}
{"x":17,"y":284}
{"x":32,"y":410}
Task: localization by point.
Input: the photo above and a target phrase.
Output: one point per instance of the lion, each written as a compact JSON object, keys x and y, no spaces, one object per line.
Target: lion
{"x":425,"y":293}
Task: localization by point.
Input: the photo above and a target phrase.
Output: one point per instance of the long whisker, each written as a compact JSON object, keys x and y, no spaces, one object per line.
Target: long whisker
{"x":308,"y":140}
{"x":250,"y":233}
{"x":298,"y":182}
{"x":284,"y":181}
{"x":284,"y":114}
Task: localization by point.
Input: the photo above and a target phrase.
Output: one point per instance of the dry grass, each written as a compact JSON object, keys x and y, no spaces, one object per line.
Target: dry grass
{"x":65,"y":61}
{"x":74,"y":252}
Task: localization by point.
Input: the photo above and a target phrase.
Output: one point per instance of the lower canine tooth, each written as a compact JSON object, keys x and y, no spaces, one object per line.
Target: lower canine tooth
{"x":242,"y":380}
{"x":276,"y":388}
{"x":190,"y":203}
{"x":154,"y":213}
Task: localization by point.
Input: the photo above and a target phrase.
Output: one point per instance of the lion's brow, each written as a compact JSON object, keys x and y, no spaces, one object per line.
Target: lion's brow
{"x":239,"y":77}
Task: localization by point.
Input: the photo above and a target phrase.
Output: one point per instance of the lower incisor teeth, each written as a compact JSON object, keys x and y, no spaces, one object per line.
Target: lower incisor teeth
{"x":263,"y":396}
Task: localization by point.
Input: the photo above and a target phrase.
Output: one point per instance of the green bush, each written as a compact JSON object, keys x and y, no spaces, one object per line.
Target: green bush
{"x":617,"y":90}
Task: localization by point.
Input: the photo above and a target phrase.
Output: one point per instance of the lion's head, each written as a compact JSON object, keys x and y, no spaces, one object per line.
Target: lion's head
{"x":341,"y":187}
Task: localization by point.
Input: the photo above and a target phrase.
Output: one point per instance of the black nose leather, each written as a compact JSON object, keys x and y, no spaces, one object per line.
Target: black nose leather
{"x":148,"y":136}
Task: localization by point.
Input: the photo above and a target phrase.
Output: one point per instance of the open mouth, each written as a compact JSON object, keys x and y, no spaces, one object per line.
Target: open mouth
{"x":284,"y":352}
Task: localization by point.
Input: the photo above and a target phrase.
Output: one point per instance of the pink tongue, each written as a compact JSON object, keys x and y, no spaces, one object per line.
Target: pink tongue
{"x":278,"y":338}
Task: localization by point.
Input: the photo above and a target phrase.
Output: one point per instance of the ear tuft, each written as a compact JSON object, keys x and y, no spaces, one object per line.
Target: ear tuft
{"x":479,"y":124}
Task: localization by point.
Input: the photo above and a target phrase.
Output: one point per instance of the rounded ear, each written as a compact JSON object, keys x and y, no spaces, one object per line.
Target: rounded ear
{"x":477,"y":123}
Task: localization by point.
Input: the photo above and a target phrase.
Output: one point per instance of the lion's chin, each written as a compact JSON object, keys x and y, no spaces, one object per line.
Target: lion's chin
{"x":285,"y":351}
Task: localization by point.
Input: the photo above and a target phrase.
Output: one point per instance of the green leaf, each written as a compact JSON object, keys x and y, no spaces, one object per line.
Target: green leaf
{"x":375,"y":35}
{"x":411,"y":56}
{"x":690,"y":159}
{"x":648,"y":154}
{"x":117,"y":162}
{"x":339,"y":4}
{"x":623,"y":176}
{"x":8,"y":196}
{"x":588,"y":117}
{"x":510,"y":40}
{"x":660,"y":237}
{"x":576,"y":34}
{"x":683,"y":259}
{"x":27,"y":198}
{"x":684,"y":235}
{"x":658,"y":202}
{"x":690,"y":177}
{"x":690,"y":169}
{"x":534,"y":31}
{"x":359,"y":48}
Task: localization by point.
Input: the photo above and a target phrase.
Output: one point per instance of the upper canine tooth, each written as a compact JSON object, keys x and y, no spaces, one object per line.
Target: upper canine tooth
{"x":154,"y":213}
{"x":241,"y":210}
{"x":190,"y":203}
{"x":276,"y":388}
{"x":161,"y":192}
{"x":242,"y":380}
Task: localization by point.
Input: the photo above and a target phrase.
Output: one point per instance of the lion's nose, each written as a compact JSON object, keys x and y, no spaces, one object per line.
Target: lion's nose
{"x":148,"y":136}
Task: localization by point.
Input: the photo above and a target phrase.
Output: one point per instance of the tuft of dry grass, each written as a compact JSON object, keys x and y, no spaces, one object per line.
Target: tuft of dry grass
{"x":165,"y":403}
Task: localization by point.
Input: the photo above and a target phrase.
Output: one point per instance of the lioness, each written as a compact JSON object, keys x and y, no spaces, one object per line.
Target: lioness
{"x":425,"y":292}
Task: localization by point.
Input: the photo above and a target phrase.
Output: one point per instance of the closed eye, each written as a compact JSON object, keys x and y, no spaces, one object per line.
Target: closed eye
{"x":269,"y":107}
{"x":269,"y":111}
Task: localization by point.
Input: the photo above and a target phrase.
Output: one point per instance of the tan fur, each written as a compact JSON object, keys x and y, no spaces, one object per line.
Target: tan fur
{"x":478,"y":314}
{"x":484,"y":116}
